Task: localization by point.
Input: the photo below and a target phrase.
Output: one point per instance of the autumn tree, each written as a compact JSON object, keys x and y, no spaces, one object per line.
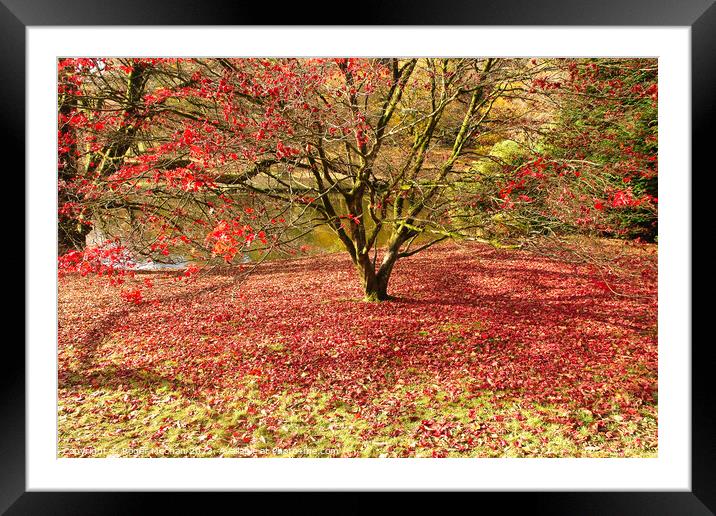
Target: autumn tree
{"x":213,"y":158}
{"x":588,"y":162}
{"x":608,"y":120}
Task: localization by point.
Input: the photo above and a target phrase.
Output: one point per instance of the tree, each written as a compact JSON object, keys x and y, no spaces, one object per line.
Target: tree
{"x":608,"y":120}
{"x":213,"y":158}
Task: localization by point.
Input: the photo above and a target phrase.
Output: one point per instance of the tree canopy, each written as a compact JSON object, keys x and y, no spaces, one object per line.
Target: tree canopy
{"x":214,"y":158}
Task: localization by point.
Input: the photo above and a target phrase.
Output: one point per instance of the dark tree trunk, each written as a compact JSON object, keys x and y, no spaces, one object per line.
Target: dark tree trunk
{"x":376,"y":289}
{"x":383,"y":276}
{"x":71,"y":235}
{"x":71,"y":232}
{"x":375,"y":284}
{"x":369,"y":279}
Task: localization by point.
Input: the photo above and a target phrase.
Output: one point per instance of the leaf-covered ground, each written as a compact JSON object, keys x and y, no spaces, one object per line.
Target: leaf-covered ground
{"x":484,"y":353}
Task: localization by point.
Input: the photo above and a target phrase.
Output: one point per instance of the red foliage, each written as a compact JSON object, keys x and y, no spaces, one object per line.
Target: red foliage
{"x":480,"y":320}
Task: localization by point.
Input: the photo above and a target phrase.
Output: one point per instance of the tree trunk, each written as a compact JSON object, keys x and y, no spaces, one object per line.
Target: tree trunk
{"x":71,"y":235}
{"x":368,"y":277}
{"x":375,"y":284}
{"x":376,"y":290}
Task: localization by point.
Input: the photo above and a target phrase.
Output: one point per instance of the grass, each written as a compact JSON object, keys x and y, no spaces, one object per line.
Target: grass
{"x":148,"y":418}
{"x":164,"y":423}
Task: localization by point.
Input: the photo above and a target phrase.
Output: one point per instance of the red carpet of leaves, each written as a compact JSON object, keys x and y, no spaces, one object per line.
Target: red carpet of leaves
{"x":467,"y":320}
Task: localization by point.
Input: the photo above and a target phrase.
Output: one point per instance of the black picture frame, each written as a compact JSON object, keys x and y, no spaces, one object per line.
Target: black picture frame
{"x":700,"y":15}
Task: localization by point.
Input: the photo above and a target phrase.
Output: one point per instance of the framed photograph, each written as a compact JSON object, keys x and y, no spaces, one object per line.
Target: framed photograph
{"x":421,"y":252}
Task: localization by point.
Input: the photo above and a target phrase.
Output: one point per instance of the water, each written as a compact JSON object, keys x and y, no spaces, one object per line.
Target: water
{"x":151,"y":265}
